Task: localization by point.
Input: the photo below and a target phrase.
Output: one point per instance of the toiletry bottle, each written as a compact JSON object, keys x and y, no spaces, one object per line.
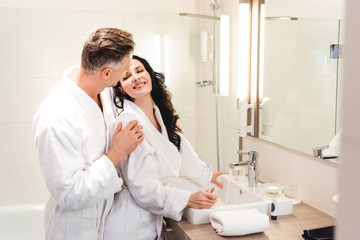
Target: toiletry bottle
{"x":273,"y":209}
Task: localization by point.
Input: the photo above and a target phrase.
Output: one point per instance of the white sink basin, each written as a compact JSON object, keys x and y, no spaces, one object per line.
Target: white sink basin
{"x":238,"y":197}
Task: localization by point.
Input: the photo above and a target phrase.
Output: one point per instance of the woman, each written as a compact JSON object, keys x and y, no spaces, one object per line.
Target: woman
{"x":138,"y":210}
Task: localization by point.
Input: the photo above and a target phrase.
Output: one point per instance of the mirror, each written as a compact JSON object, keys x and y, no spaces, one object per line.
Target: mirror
{"x":300,"y":76}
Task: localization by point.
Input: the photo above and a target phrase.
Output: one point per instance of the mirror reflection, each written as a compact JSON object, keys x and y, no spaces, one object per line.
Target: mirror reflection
{"x":301,"y":78}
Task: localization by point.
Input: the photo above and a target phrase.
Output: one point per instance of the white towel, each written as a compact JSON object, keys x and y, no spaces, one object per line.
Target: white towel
{"x":334,"y":146}
{"x":239,"y":222}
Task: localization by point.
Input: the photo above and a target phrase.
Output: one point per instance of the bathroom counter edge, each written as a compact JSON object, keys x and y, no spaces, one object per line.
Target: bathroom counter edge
{"x":304,"y":217}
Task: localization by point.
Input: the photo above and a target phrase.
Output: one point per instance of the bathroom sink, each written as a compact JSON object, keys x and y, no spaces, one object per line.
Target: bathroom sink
{"x":237,"y":197}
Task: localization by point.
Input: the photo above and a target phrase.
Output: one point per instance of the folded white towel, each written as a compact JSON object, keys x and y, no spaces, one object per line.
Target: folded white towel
{"x":239,"y":222}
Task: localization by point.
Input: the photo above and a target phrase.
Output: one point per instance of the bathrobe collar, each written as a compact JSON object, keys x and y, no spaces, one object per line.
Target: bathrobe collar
{"x":165,"y":150}
{"x":145,"y":119}
{"x":81,"y":96}
{"x":108,"y":112}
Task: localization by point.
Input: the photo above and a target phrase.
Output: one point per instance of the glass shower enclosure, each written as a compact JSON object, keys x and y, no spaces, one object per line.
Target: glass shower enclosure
{"x":184,"y":47}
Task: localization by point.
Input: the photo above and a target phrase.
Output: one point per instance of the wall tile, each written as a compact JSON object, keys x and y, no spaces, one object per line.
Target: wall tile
{"x":158,"y":23}
{"x":27,"y":185}
{"x":229,"y":143}
{"x":58,"y":53}
{"x":22,"y":98}
{"x":22,"y":63}
{"x":93,"y":20}
{"x":306,"y":8}
{"x":189,"y":6}
{"x":18,"y":147}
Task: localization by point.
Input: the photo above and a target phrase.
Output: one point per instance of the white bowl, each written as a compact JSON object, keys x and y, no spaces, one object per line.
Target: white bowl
{"x":272,"y":188}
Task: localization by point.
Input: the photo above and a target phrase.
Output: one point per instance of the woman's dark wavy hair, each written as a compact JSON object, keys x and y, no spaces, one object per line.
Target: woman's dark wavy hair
{"x":161,"y":97}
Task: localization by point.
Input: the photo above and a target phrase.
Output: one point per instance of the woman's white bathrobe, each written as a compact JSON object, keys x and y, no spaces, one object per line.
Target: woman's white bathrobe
{"x":72,"y":136}
{"x":138,"y":210}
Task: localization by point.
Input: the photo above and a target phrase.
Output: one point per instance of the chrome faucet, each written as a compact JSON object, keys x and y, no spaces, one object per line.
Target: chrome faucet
{"x":252,"y":164}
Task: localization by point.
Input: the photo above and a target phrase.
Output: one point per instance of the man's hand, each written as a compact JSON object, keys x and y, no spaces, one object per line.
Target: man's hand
{"x":202,"y":199}
{"x":125,"y":141}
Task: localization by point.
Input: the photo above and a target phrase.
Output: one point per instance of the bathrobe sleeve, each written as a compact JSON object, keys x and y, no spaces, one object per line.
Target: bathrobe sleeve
{"x":71,"y":183}
{"x":191,"y":165}
{"x":141,"y":176}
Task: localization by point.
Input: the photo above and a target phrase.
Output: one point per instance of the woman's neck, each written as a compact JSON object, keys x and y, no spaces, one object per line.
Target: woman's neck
{"x":146,"y":104}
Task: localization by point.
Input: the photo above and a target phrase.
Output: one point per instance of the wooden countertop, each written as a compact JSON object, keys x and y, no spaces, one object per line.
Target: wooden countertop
{"x":289,"y":227}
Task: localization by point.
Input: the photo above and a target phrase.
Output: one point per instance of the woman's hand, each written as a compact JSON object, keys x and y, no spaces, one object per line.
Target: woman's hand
{"x":202,"y":199}
{"x":214,"y":180}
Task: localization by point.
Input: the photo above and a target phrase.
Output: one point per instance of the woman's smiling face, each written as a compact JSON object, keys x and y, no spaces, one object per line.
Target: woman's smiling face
{"x":137,"y":82}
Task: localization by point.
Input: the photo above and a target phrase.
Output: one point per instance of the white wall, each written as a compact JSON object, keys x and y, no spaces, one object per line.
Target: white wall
{"x":306,"y":8}
{"x":349,"y":210}
{"x":38,"y":41}
{"x":160,"y":6}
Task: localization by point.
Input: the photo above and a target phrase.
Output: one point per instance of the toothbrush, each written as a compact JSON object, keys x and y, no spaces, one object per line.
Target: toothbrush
{"x":208,"y":170}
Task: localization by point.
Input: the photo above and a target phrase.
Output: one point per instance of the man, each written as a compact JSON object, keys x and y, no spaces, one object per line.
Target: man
{"x":73,"y":128}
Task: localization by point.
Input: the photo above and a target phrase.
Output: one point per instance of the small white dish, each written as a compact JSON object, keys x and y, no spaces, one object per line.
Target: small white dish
{"x":273,"y":188}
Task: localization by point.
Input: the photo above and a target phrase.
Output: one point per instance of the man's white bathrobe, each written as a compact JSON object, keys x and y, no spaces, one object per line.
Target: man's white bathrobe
{"x":138,"y":210}
{"x":72,"y":136}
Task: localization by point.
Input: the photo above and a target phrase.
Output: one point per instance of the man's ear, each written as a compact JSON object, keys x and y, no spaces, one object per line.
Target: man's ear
{"x":106,"y":72}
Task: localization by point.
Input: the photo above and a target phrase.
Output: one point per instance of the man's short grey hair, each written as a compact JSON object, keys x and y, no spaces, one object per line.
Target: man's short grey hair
{"x":106,"y":47}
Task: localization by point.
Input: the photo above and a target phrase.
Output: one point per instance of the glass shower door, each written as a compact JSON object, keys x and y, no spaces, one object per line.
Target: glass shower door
{"x":193,"y":83}
{"x":206,"y":88}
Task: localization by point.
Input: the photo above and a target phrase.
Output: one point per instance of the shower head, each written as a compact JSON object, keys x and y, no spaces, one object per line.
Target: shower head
{"x":214,"y":5}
